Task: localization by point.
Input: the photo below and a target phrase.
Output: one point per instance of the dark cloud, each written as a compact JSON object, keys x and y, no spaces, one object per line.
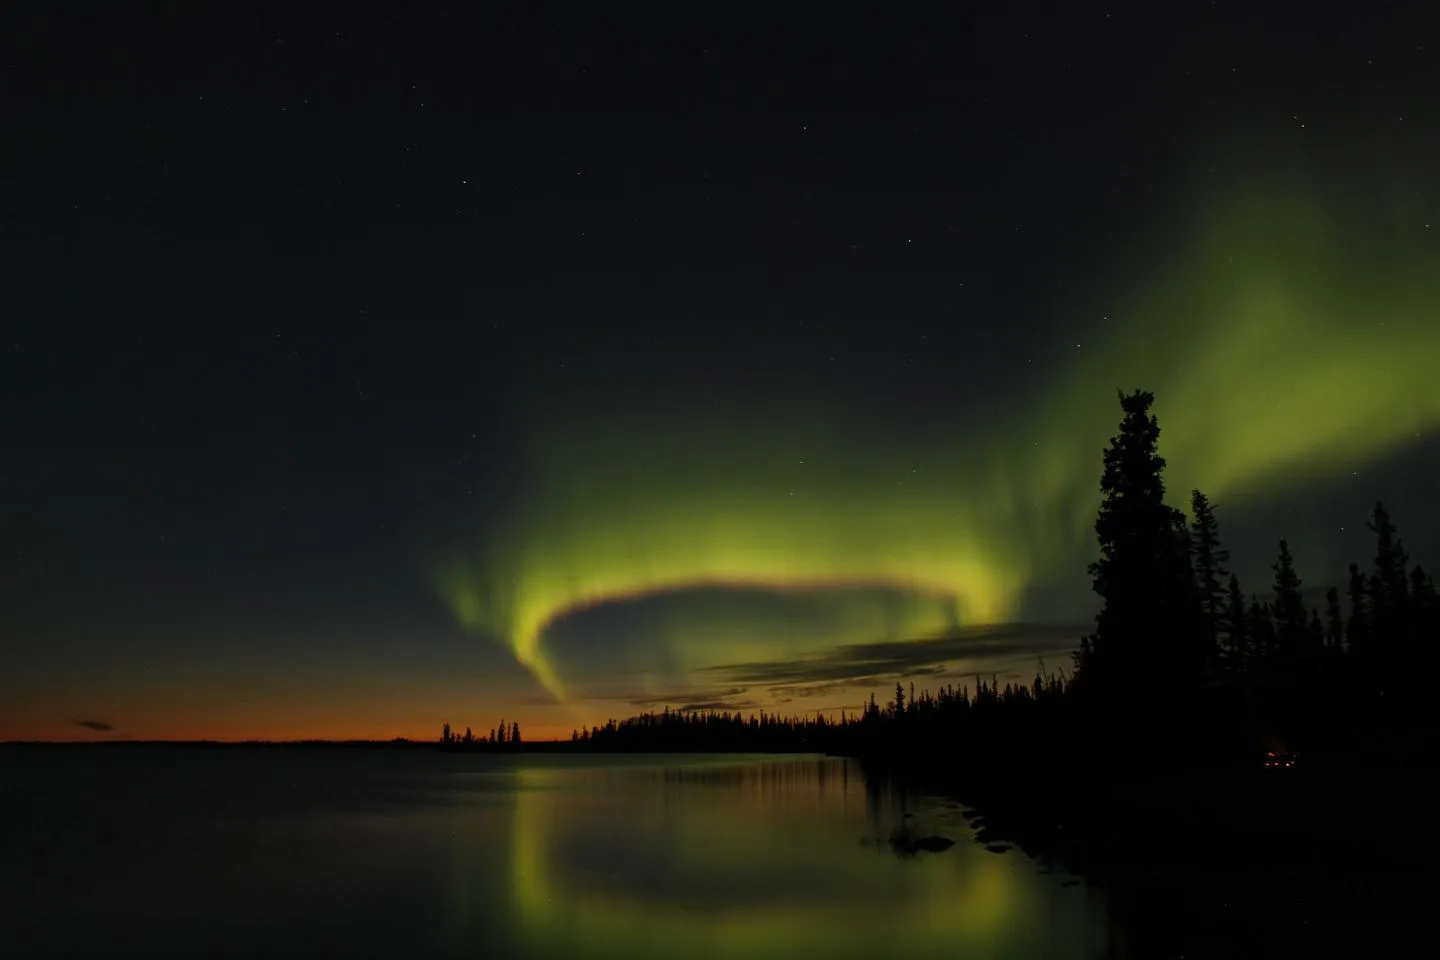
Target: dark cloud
{"x":99,"y":726}
{"x":866,"y":681}
{"x":732,"y":698}
{"x":1001,"y":648}
{"x":821,"y":689}
{"x":878,"y":662}
{"x":726,"y":705}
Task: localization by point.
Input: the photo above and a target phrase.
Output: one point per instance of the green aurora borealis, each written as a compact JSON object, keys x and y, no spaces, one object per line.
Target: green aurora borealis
{"x":1282,"y":333}
{"x":556,"y":367}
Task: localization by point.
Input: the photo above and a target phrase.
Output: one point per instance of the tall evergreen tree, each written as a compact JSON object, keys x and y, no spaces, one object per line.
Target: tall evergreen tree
{"x":1236,"y":627}
{"x":1149,"y":623}
{"x":1291,"y":620}
{"x":1334,"y":621}
{"x":1388,"y":582}
{"x":1262,"y":631}
{"x":1424,"y":602}
{"x":1424,"y":617}
{"x":1357,"y":625}
{"x":1422,"y":586}
{"x":1209,"y":559}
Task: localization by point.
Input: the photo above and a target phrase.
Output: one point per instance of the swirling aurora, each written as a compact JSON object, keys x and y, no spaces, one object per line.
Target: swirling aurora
{"x":1281,"y":335}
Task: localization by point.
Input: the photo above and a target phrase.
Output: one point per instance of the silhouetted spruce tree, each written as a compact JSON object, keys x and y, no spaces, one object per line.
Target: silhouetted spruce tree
{"x":445,"y":735}
{"x":1424,"y":626}
{"x":1208,"y":558}
{"x":469,"y":737}
{"x":1422,"y":586}
{"x":1424,"y":606}
{"x":500,"y":734}
{"x":515,"y":734}
{"x":1291,"y":621}
{"x":1388,"y":586}
{"x":1334,"y":621}
{"x":1236,"y":627}
{"x":1357,"y":625}
{"x":1187,"y":596}
{"x":899,"y":700}
{"x":1262,"y":631}
{"x":1148,"y":630}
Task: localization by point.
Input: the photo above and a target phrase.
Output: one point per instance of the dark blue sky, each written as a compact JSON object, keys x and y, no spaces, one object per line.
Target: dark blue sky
{"x":289,"y":290}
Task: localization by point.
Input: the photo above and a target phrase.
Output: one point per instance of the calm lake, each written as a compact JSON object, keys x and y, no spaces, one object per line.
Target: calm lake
{"x":413,"y":853}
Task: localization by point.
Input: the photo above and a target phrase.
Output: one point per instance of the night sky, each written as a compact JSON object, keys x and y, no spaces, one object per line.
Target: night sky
{"x":475,"y":361}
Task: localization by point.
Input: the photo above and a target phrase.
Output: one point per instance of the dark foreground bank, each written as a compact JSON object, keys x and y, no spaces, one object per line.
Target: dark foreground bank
{"x":1221,"y":862}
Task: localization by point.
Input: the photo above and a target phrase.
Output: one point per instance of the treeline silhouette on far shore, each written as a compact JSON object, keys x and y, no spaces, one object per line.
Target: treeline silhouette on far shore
{"x":1185,"y":664}
{"x":502,"y":737}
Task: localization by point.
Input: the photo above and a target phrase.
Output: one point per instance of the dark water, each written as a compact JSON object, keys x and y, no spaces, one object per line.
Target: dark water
{"x":412,"y":853}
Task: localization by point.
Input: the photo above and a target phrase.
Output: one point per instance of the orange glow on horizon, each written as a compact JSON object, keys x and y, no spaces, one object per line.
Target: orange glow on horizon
{"x":249,"y":725}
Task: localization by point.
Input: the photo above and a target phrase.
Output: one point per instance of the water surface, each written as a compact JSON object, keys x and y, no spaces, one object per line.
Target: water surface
{"x":417,"y":853}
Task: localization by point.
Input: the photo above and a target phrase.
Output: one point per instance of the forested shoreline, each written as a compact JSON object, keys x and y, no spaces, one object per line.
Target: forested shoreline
{"x":1185,"y":668}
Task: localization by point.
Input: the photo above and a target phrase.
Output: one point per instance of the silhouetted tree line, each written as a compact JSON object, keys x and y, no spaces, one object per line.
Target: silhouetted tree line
{"x":1181,"y":647}
{"x":913,"y":718}
{"x":906,"y":720}
{"x":501,"y":738}
{"x":685,"y":731}
{"x":1184,"y":665}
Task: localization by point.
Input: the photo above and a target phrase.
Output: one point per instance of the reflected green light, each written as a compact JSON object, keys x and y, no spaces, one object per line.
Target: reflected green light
{"x":1278,"y":336}
{"x":973,"y":903}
